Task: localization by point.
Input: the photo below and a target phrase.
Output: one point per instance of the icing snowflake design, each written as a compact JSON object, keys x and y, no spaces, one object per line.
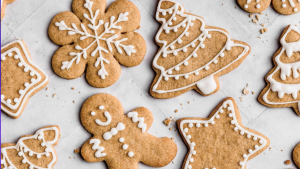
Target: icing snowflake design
{"x":23,"y":150}
{"x":227,"y":108}
{"x":180,"y":71}
{"x":111,"y":129}
{"x":109,"y":29}
{"x":286,"y":70}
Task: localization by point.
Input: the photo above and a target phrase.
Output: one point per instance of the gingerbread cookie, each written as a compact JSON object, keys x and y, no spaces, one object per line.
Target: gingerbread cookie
{"x":3,"y":6}
{"x":283,"y":81}
{"x":192,"y":55}
{"x":20,"y":78}
{"x":296,"y":155}
{"x":254,"y":6}
{"x":31,"y":151}
{"x":122,"y":140}
{"x":220,"y":141}
{"x":97,"y":41}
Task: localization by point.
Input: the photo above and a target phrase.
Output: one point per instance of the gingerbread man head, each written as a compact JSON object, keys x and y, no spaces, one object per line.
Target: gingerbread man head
{"x":97,"y":41}
{"x":122,"y":140}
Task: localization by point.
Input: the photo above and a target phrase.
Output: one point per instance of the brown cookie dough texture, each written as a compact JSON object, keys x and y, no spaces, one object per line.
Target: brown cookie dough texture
{"x":283,"y":81}
{"x":122,"y":140}
{"x":32,"y":151}
{"x":296,"y":155}
{"x":97,"y":41}
{"x":192,"y":55}
{"x":20,"y":78}
{"x":220,"y":141}
{"x":3,"y":6}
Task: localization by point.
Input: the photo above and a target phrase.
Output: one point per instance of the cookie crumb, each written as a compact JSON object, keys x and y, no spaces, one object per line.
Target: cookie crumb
{"x":245,"y":91}
{"x":70,"y":157}
{"x":287,"y":162}
{"x":261,"y":13}
{"x":251,"y":15}
{"x":262,"y":31}
{"x":263,"y":25}
{"x":73,"y":101}
{"x":265,"y":29}
{"x":254,"y":21}
{"x":167,"y":122}
{"x":176,"y":111}
{"x":171,"y":128}
{"x":188,"y":102}
{"x":172,"y":138}
{"x":76,"y":151}
{"x":47,"y":88}
{"x":54,"y":94}
{"x":47,"y":95}
{"x":257,"y":17}
{"x":72,"y":88}
{"x":253,"y":92}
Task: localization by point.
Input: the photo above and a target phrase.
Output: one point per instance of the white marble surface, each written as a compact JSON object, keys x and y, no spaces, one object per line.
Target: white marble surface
{"x":29,"y":20}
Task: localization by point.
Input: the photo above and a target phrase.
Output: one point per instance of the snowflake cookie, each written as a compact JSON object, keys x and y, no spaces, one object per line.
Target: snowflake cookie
{"x":97,"y":41}
{"x":285,"y":7}
{"x":192,"y":55}
{"x":122,"y":140}
{"x":31,"y":151}
{"x":3,"y":6}
{"x":296,"y":155}
{"x":283,"y":81}
{"x":220,"y":141}
{"x":20,"y":78}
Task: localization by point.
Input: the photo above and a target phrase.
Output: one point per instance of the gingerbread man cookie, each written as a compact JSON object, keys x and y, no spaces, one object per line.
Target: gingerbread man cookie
{"x":97,"y":41}
{"x":20,"y":78}
{"x":283,"y":81}
{"x":220,"y":141}
{"x":3,"y":6}
{"x":296,"y":155}
{"x":122,"y":140}
{"x":192,"y":55}
{"x":31,"y":151}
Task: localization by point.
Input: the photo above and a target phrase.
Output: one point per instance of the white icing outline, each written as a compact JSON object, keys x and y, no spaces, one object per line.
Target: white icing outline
{"x":96,"y":146}
{"x":205,"y":34}
{"x":211,"y":121}
{"x":134,"y":117}
{"x":108,"y":30}
{"x":23,"y":97}
{"x":21,"y":147}
{"x":281,"y":88}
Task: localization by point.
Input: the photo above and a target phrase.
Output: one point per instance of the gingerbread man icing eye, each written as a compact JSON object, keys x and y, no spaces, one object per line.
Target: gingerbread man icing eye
{"x":124,"y":138}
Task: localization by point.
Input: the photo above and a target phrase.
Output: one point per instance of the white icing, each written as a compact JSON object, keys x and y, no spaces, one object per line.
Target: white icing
{"x":257,"y":5}
{"x":164,"y":51}
{"x":108,"y":135}
{"x":125,"y":147}
{"x":107,"y":115}
{"x":207,"y":85}
{"x":97,"y":147}
{"x":135,"y":118}
{"x":121,"y":140}
{"x":22,"y":148}
{"x":109,"y":28}
{"x":130,"y":154}
{"x":230,"y":106}
{"x":285,"y":69}
{"x":292,"y":4}
{"x":25,"y":93}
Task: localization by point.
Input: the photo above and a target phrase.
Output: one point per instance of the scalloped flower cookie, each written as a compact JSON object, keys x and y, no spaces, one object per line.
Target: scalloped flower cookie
{"x":3,"y":6}
{"x":31,"y":151}
{"x":20,"y":78}
{"x":192,"y":55}
{"x":283,"y":81}
{"x":122,"y":141}
{"x":220,"y":141}
{"x":97,"y":41}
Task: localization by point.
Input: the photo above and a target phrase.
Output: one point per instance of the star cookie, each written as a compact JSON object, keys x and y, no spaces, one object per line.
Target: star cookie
{"x":122,"y":141}
{"x":97,"y":41}
{"x":3,"y":6}
{"x":20,"y":78}
{"x":220,"y":141}
{"x":192,"y":54}
{"x":283,"y":81}
{"x":31,"y":151}
{"x":296,"y":155}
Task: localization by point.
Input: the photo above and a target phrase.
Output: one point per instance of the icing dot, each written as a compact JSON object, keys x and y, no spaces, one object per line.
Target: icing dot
{"x":164,"y":55}
{"x":194,"y":55}
{"x":246,"y":6}
{"x":167,"y":31}
{"x":295,"y":10}
{"x":47,"y":154}
{"x":230,"y":115}
{"x":2,"y":96}
{"x":170,"y":11}
{"x":202,"y":46}
{"x":174,"y":18}
{"x":10,"y":54}
{"x":179,"y":41}
{"x":196,"y":73}
{"x":47,"y":149}
{"x":283,"y":0}
{"x":166,"y":78}
{"x":256,"y":146}
{"x":26,"y":84}
{"x":191,"y":159}
{"x":40,"y":137}
{"x":213,"y":122}
{"x":93,"y":113}
{"x":184,"y":49}
{"x":215,"y":61}
{"x":208,"y":36}
{"x":194,"y":152}
{"x":164,"y":13}
{"x":186,"y":76}
{"x":217,"y":116}
{"x":174,"y":53}
{"x":193,"y":144}
{"x":16,"y":56}
{"x":206,"y":67}
{"x":191,"y":24}
{"x":244,"y":155}
{"x":235,"y":129}
{"x":172,"y":47}
{"x":242,"y":132}
{"x":8,"y":101}
{"x":198,"y":125}
{"x":186,"y":130}
{"x":186,"y":63}
{"x":130,"y":154}
{"x":3,"y":58}
{"x":121,"y":139}
{"x":20,"y":153}
{"x":31,"y":73}
{"x":176,"y":77}
{"x":23,"y":161}
{"x":249,"y":136}
{"x":16,"y":100}
{"x":261,"y":141}
{"x":175,"y":29}
{"x":186,"y":34}
{"x":222,"y":54}
{"x":32,"y":80}
{"x":241,"y":163}
{"x":20,"y":64}
{"x":258,"y":6}
{"x":254,"y":138}
{"x":206,"y":125}
{"x":38,"y":156}
{"x":170,"y":71}
{"x":189,"y":137}
{"x":193,"y":45}
{"x":189,"y":167}
{"x":284,"y":5}
{"x":125,"y":146}
{"x":30,"y":167}
{"x":114,"y":131}
{"x":170,"y":23}
{"x":177,"y":68}
{"x":190,"y":125}
{"x":26,"y":69}
{"x":250,"y":150}
{"x":101,"y":107}
{"x":43,"y":144}
{"x":232,"y":121}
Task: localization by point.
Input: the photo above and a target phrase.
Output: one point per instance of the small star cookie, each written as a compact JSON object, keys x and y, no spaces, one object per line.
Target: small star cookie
{"x":296,"y":155}
{"x":3,"y":6}
{"x":20,"y":78}
{"x":220,"y":141}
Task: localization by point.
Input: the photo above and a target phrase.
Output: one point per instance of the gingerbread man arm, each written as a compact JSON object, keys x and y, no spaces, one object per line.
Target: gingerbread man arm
{"x":142,"y":117}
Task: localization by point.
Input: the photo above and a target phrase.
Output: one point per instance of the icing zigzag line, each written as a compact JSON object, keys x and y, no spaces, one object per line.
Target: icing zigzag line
{"x":135,"y":118}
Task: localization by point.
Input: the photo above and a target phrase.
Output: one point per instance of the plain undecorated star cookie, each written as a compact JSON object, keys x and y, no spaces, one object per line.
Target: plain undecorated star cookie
{"x":192,"y":55}
{"x":20,"y":78}
{"x":296,"y":155}
{"x":122,"y":140}
{"x":220,"y":141}
{"x":31,"y":151}
{"x":97,"y":41}
{"x":3,"y":6}
{"x":283,"y":81}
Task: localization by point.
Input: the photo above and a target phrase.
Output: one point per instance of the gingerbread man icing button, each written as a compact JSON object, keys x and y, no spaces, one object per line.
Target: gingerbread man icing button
{"x":3,"y":6}
{"x":122,"y":140}
{"x":97,"y":41}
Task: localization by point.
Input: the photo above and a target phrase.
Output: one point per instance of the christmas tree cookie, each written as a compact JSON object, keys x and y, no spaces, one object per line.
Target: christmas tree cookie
{"x":192,"y":55}
{"x":283,"y":81}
